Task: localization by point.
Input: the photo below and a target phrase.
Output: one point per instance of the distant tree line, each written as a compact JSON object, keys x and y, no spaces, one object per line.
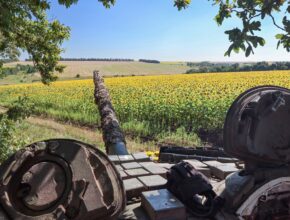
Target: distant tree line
{"x":105,"y":59}
{"x":27,"y":69}
{"x":207,"y":67}
{"x":149,"y":61}
{"x":94,"y":59}
{"x":8,"y":60}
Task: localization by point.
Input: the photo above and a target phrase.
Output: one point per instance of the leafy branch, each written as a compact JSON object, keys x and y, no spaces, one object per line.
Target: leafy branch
{"x":251,"y":13}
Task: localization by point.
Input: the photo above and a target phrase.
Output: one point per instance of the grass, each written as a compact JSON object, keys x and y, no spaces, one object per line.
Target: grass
{"x":180,"y":138}
{"x":19,"y":78}
{"x":36,"y":129}
{"x":39,"y":129}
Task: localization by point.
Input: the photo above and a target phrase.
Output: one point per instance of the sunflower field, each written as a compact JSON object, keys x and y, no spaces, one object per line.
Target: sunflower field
{"x":147,"y":105}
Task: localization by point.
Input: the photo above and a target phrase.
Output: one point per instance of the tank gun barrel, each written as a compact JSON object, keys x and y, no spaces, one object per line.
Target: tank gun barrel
{"x":113,"y":136}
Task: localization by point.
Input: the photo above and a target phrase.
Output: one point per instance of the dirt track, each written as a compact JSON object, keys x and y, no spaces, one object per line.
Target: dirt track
{"x":90,"y":134}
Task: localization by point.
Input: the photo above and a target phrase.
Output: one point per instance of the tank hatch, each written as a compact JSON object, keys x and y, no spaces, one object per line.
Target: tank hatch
{"x":257,"y":127}
{"x":60,"y":179}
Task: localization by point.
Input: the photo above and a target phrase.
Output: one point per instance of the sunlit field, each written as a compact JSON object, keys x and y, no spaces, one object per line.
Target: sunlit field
{"x":147,"y":105}
{"x":85,"y":68}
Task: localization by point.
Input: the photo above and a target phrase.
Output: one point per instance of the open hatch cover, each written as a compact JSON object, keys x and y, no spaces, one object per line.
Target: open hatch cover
{"x":60,"y":179}
{"x":257,"y":127}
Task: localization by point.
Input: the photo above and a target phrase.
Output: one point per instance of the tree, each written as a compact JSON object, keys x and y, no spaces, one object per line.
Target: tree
{"x":251,"y":12}
{"x":24,"y":26}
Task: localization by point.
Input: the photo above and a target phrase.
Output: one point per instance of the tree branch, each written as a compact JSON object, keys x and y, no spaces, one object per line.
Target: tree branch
{"x":274,"y":22}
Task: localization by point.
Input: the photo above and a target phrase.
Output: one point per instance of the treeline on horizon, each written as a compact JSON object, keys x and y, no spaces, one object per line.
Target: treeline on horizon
{"x":8,"y":60}
{"x":208,"y":67}
{"x":96,"y":59}
{"x":105,"y":60}
{"x":27,"y":69}
{"x":109,"y":60}
{"x":149,"y":61}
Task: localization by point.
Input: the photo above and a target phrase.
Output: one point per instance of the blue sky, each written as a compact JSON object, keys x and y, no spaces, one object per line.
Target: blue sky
{"x":154,"y":29}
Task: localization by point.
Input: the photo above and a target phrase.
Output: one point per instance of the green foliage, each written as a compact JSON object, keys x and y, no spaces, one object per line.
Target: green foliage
{"x":181,"y":4}
{"x":107,"y":3}
{"x":207,"y":67}
{"x":9,"y":142}
{"x":20,"y":109}
{"x":68,"y":3}
{"x":180,"y":137}
{"x":251,"y":13}
{"x":21,"y":23}
{"x":137,"y":128}
{"x":284,"y":39}
{"x":26,"y":69}
{"x":8,"y":49}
